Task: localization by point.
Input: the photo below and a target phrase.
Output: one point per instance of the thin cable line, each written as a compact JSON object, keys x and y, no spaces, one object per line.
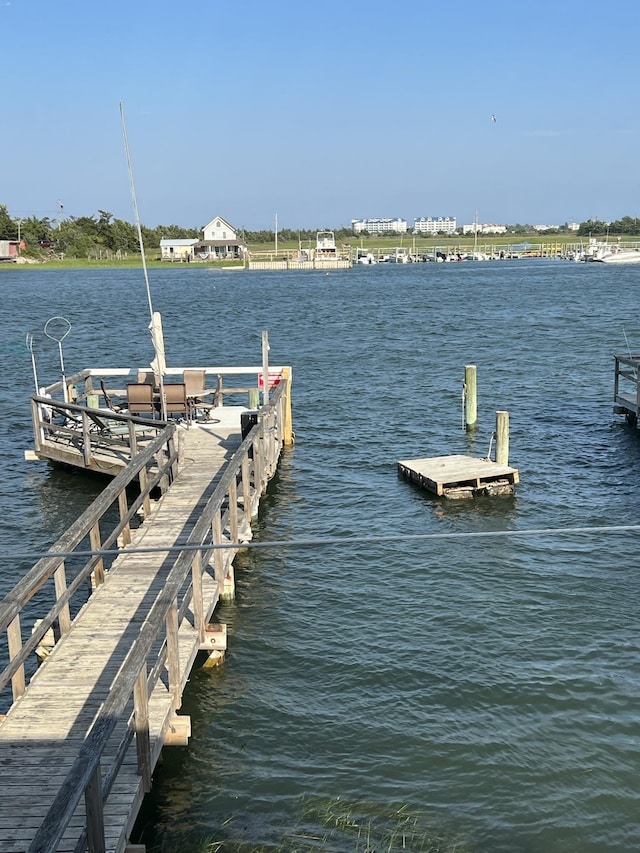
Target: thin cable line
{"x":319,"y":541}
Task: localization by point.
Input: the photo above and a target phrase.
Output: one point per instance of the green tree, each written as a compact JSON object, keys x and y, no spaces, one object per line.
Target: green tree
{"x":8,"y":227}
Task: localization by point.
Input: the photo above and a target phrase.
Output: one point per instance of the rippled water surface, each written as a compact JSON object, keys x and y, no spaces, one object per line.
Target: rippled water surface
{"x":488,"y":685}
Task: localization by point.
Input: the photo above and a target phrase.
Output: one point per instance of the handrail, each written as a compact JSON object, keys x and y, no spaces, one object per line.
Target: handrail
{"x":86,"y":525}
{"x":256,"y":456}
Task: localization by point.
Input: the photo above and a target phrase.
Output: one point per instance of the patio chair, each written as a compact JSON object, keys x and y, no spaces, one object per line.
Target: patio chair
{"x":175,"y":400}
{"x":140,"y":399}
{"x":195,"y":383}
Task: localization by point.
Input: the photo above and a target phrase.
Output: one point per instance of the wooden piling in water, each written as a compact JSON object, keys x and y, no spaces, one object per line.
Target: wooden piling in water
{"x":470,"y":397}
{"x":502,"y":438}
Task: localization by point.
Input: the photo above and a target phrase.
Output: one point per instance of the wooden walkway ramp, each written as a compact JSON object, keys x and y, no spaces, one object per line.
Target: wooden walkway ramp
{"x":79,"y":743}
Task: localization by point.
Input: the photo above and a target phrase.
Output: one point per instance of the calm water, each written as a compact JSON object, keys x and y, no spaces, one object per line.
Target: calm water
{"x":489,"y":686}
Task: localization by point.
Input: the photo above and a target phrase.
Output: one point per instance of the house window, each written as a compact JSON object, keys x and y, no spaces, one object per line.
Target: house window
{"x":224,"y":235}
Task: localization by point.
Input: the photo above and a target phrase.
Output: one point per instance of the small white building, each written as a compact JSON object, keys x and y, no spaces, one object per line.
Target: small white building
{"x":435,"y":225}
{"x":172,"y":249}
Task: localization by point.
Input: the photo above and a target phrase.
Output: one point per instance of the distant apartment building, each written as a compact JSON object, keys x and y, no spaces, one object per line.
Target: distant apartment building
{"x":435,"y":225}
{"x":379,"y":226}
{"x":484,"y":228}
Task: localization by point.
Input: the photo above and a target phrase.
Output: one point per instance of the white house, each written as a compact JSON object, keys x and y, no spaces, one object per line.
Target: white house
{"x":220,"y":241}
{"x":219,"y":229}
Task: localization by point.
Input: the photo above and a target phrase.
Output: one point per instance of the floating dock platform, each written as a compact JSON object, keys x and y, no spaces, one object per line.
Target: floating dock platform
{"x":460,"y":476}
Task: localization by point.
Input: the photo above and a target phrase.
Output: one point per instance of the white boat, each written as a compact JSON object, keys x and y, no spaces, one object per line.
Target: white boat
{"x":365,"y":258}
{"x":400,"y":256}
{"x":326,"y":245}
{"x":618,"y":255}
{"x":610,"y":253}
{"x":476,"y":256}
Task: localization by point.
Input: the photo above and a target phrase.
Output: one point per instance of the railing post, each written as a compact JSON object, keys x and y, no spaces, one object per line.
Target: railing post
{"x":196,"y":582}
{"x":96,"y":544}
{"x":146,"y":502}
{"x":95,"y":813}
{"x":60,"y":582}
{"x":86,"y":439}
{"x":133,"y":442}
{"x":218,"y":553}
{"x":141,"y":723}
{"x":257,"y":465}
{"x":173,"y":654}
{"x":171,"y":449}
{"x":233,"y":510}
{"x":38,"y":430}
{"x":123,"y":507}
{"x":14,"y":641}
{"x":246,"y":489}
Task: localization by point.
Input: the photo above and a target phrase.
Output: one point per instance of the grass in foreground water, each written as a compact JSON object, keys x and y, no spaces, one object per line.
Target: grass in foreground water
{"x":337,"y":826}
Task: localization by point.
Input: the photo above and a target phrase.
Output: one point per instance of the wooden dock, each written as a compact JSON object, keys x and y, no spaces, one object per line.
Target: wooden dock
{"x":460,"y":476}
{"x":83,"y":732}
{"x":293,"y":264}
{"x":626,"y":391}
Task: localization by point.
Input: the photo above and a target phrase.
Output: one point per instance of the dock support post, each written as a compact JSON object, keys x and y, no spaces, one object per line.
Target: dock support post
{"x":502,"y":438}
{"x":287,"y":425}
{"x":470,"y":397}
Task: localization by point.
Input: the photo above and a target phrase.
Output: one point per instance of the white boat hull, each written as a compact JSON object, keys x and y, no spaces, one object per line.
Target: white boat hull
{"x":624,"y":257}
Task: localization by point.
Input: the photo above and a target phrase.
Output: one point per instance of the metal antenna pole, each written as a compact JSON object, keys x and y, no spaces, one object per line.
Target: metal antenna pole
{"x":57,"y":328}
{"x":33,"y":362}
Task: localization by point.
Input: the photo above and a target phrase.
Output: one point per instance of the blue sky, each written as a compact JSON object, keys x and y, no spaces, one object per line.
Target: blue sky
{"x":321,"y":112}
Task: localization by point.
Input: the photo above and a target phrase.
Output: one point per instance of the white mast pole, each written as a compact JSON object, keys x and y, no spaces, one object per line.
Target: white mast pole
{"x":159,"y":356}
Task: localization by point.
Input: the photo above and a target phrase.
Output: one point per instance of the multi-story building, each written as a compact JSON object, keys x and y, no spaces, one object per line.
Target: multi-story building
{"x":484,"y":228}
{"x":379,"y":226}
{"x":435,"y":225}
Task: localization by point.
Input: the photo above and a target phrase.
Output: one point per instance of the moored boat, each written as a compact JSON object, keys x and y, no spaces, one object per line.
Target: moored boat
{"x":610,"y":253}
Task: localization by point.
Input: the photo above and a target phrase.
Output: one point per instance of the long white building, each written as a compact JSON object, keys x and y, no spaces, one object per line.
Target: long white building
{"x":379,"y":226}
{"x":435,"y":225}
{"x":484,"y":228}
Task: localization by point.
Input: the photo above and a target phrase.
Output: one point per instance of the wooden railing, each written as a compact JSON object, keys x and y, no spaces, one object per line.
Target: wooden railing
{"x":210,"y":548}
{"x":626,"y":391}
{"x":153,"y":468}
{"x":88,"y":429}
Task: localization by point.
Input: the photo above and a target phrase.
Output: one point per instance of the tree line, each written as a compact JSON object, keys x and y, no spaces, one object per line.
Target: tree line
{"x":86,"y":236}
